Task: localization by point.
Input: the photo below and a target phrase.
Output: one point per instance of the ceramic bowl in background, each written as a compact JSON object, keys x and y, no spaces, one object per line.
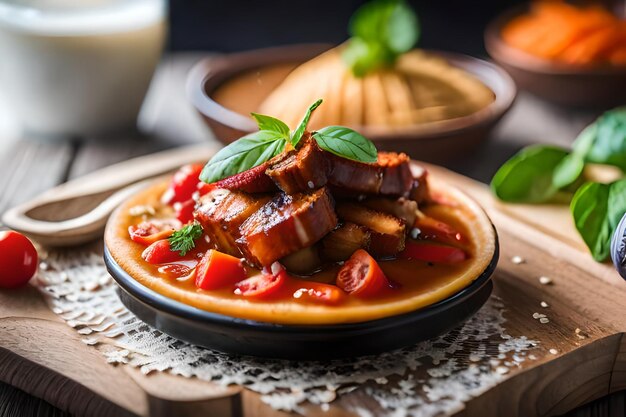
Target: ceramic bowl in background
{"x":560,"y":83}
{"x":215,"y":87}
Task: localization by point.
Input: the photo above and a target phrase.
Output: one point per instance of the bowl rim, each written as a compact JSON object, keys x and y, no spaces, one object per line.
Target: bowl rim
{"x":506,"y":54}
{"x":207,"y":74}
{"x":170,"y":306}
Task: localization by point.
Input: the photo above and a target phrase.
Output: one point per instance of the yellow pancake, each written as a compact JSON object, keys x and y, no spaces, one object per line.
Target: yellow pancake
{"x":421,"y":284}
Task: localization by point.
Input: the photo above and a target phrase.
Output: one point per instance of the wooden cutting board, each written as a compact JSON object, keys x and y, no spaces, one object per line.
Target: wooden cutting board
{"x":44,"y":357}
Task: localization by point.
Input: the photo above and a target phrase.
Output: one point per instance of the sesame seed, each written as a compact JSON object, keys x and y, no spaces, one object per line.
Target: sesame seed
{"x":544,"y":304}
{"x":554,"y":351}
{"x":502,"y":370}
{"x":545,"y":280}
{"x":517,"y":260}
{"x":544,"y":320}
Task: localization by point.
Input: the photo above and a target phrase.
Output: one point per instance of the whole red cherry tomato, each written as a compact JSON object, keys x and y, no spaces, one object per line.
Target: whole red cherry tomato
{"x":18,"y":259}
{"x":183,"y":184}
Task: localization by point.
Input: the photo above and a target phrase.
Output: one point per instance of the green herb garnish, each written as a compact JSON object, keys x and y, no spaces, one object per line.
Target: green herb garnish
{"x":539,"y":174}
{"x":380,"y":31}
{"x":346,"y":143}
{"x":184,"y":240}
{"x":256,"y":148}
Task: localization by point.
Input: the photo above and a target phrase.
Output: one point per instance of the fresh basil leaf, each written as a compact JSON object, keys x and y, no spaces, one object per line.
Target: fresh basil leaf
{"x":346,"y":143}
{"x":249,"y":151}
{"x":617,"y":203}
{"x":527,"y":176}
{"x":381,"y":30}
{"x":568,"y":171}
{"x":589,"y":208}
{"x":297,"y":134}
{"x":604,"y":142}
{"x":402,"y":29}
{"x":363,"y":57}
{"x":390,"y":23}
{"x":271,"y":123}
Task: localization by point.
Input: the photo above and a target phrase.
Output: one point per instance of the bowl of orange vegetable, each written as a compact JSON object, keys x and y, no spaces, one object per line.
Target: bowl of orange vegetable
{"x":567,"y":54}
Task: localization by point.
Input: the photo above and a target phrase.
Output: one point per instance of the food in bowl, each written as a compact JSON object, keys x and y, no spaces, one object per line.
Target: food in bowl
{"x":420,"y":87}
{"x":377,"y":80}
{"x":299,"y":227}
{"x":569,"y":34}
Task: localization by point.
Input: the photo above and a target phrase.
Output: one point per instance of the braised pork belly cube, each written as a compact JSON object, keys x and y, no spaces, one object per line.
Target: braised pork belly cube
{"x":396,"y":171}
{"x":221,"y":212}
{"x":354,"y":177}
{"x":341,"y":243}
{"x":387,"y":232}
{"x":301,"y":170}
{"x":402,"y":208}
{"x":286,"y":224}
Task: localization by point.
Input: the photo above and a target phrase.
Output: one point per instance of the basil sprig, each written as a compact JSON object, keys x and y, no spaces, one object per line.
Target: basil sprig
{"x":274,"y":136}
{"x":539,"y":174}
{"x":380,"y":31}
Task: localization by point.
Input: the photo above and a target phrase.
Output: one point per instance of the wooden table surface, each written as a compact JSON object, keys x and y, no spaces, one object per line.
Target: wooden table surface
{"x":29,"y":166}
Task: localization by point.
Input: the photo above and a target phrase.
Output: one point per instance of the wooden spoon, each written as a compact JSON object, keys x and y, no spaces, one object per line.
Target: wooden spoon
{"x":77,"y":211}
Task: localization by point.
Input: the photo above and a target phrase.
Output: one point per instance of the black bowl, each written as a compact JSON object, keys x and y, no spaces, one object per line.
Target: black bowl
{"x":247,"y":337}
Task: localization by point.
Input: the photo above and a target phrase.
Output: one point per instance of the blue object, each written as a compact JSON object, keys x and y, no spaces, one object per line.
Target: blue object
{"x":618,"y":248}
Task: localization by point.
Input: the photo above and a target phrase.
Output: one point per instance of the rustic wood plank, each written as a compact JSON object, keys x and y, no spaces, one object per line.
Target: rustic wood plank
{"x":29,"y":167}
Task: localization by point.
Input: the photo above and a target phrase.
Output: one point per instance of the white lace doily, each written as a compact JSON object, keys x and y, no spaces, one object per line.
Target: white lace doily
{"x":431,"y":378}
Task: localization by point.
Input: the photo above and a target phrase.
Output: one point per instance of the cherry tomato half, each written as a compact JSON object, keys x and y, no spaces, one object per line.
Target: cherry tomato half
{"x":316,"y":292}
{"x":160,"y":253}
{"x":184,"y":211}
{"x":18,"y":259}
{"x":432,"y":252}
{"x":183,"y":184}
{"x":361,"y":275}
{"x":433,"y":229}
{"x":149,"y":232}
{"x":264,"y":284}
{"x":217,"y":270}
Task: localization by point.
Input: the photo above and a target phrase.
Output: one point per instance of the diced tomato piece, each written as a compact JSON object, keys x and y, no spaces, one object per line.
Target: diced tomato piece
{"x":431,"y":252}
{"x":183,"y":184}
{"x":204,"y":188}
{"x":217,"y":270}
{"x":319,"y":293}
{"x":263,"y":285}
{"x":175,"y":270}
{"x":361,"y":275}
{"x":149,"y":232}
{"x":160,"y":253}
{"x":184,"y":211}
{"x":433,"y":229}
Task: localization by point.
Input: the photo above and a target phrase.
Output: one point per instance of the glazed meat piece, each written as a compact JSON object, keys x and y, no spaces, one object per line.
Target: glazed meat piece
{"x":286,"y":224}
{"x":397,"y":176}
{"x":221,"y":212}
{"x":342,"y":242}
{"x":354,"y":177}
{"x":402,"y":208}
{"x":301,"y":171}
{"x":387,"y":232}
{"x":390,"y":175}
{"x":252,"y":180}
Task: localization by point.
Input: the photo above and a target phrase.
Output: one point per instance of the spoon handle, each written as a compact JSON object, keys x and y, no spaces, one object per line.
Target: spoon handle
{"x":100,"y":192}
